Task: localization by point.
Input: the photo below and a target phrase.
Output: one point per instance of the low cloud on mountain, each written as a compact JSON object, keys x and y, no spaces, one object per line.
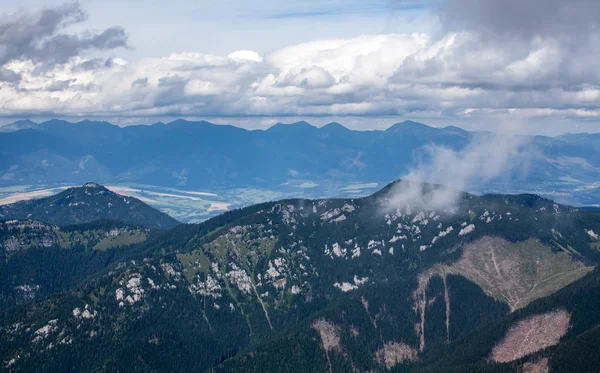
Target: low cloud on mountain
{"x":487,"y":158}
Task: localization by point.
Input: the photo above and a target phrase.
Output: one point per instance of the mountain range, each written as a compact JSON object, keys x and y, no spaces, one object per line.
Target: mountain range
{"x":196,"y":155}
{"x":396,"y":281}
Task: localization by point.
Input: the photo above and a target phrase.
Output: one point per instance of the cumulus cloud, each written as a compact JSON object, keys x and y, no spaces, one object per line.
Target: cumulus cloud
{"x":140,"y":82}
{"x":9,"y":76}
{"x":59,"y":85}
{"x":246,"y":55}
{"x":484,"y":62}
{"x":313,"y":77}
{"x":539,"y":45}
{"x":40,"y":36}
{"x":202,"y":88}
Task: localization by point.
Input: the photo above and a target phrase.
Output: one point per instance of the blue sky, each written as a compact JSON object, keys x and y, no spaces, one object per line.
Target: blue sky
{"x":158,"y":28}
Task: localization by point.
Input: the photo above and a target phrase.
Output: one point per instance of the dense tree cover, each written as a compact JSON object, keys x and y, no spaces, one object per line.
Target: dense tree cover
{"x":247,"y":291}
{"x":579,"y":355}
{"x":470,"y":308}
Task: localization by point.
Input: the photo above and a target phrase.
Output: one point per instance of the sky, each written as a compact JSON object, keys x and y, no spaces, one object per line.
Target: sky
{"x":508,"y":66}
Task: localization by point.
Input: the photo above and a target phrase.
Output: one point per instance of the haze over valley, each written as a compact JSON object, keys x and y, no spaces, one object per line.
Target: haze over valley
{"x":203,"y":169}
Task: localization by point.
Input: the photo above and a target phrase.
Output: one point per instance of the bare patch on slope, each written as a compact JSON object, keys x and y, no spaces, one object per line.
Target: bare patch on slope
{"x":540,"y":366}
{"x":531,"y":335}
{"x":330,"y":337}
{"x":393,"y":353}
{"x":516,"y":273}
{"x":328,"y":332}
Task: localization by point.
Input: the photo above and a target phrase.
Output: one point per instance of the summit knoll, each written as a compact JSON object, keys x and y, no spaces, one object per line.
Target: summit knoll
{"x":88,"y":203}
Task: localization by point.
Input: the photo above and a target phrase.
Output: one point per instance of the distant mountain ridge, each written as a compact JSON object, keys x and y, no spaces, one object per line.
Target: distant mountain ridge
{"x":203,"y":155}
{"x":85,"y":204}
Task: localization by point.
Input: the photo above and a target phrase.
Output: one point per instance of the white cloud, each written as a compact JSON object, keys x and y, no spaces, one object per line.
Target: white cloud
{"x":488,"y":158}
{"x":313,"y":77}
{"x":202,"y":88}
{"x":460,"y":74}
{"x":246,"y":55}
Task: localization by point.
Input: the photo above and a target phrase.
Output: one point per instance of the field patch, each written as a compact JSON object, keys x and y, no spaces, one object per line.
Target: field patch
{"x":122,"y":238}
{"x":540,"y":366}
{"x":193,"y":263}
{"x":248,"y":244}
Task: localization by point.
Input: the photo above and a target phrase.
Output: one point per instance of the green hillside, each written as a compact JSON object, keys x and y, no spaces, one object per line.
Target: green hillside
{"x":39,"y":259}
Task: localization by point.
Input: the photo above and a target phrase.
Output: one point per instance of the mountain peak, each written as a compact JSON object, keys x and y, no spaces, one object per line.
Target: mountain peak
{"x":302,"y":125}
{"x":52,"y":122}
{"x":455,"y":129}
{"x":183,"y":122}
{"x":408,"y":125}
{"x":88,"y":122}
{"x":25,"y":122}
{"x":18,"y":125}
{"x":334,"y":126}
{"x":92,"y":185}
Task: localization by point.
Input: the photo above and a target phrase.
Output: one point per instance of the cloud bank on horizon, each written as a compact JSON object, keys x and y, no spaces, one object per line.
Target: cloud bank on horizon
{"x":489,"y":58}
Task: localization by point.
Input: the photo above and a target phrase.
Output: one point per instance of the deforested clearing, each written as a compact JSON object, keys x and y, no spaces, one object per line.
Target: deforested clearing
{"x":393,"y":353}
{"x":539,"y":366}
{"x":516,"y":273}
{"x":531,"y":335}
{"x":328,"y":332}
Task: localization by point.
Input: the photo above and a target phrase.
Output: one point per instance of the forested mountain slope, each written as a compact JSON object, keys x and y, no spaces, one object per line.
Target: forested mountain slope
{"x":371,"y":284}
{"x":39,"y":259}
